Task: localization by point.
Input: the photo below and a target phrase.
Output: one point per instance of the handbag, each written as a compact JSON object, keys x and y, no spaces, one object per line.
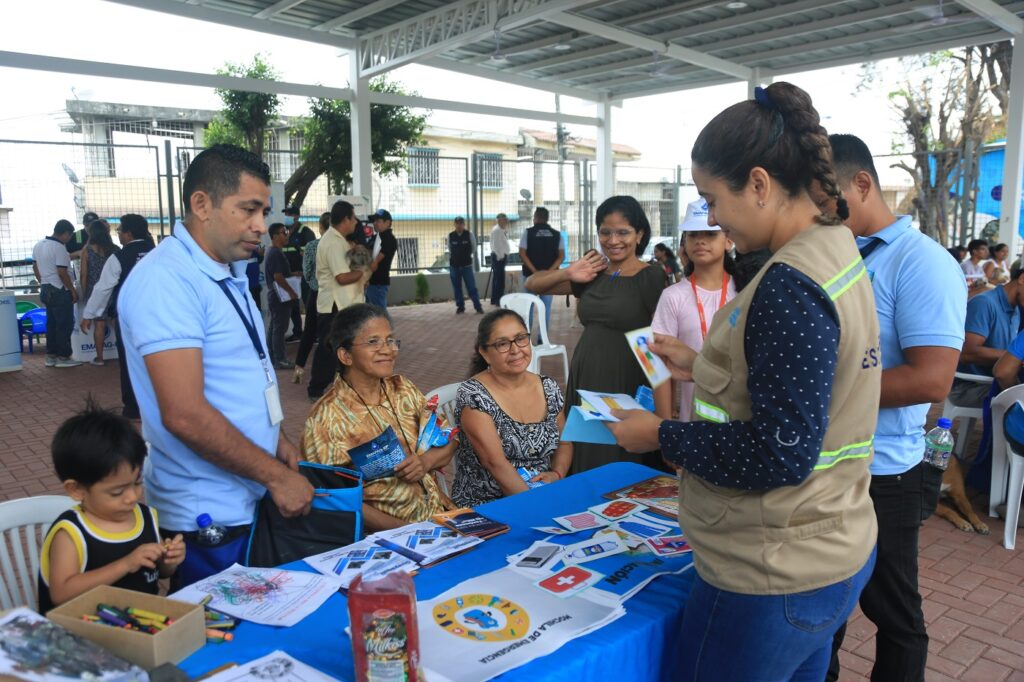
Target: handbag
{"x":335,"y":519}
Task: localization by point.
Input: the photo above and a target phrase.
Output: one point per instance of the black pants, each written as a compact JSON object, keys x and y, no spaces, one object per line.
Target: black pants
{"x":297,"y":320}
{"x":325,"y":361}
{"x":891,"y":599}
{"x":497,"y":279}
{"x":309,"y":332}
{"x":131,"y":405}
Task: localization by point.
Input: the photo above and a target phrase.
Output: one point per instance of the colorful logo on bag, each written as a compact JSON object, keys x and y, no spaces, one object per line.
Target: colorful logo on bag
{"x":482,"y":618}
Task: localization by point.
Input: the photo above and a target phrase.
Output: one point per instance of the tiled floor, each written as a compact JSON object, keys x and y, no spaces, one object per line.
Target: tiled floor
{"x":973,"y":588}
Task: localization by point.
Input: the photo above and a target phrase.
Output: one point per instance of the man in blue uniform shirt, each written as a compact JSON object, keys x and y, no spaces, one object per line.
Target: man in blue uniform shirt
{"x":198,"y":360}
{"x":921,"y":301}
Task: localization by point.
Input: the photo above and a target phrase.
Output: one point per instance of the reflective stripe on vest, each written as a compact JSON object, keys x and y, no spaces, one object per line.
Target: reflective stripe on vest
{"x":838,"y":285}
{"x":829,"y":458}
{"x":712,"y":413}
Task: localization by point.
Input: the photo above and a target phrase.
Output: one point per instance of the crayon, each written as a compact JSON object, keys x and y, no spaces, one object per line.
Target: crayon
{"x":107,"y":617}
{"x":148,"y":615}
{"x":91,"y":619}
{"x":218,"y":635}
{"x":221,"y":625}
{"x":205,"y":600}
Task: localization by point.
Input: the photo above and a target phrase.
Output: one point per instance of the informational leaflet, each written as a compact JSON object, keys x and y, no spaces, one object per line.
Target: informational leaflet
{"x":600,"y":405}
{"x":425,"y":543}
{"x":276,"y":666}
{"x":364,"y":558}
{"x":499,"y":621}
{"x":269,"y":596}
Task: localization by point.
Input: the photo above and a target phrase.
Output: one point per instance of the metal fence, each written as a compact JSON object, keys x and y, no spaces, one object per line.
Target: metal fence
{"x":41,"y":182}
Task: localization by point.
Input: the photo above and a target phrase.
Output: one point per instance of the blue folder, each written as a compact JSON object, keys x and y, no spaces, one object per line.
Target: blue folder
{"x":580,"y":430}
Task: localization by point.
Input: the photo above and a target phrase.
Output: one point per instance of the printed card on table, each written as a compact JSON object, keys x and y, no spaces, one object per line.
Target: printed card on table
{"x":669,"y":545}
{"x":569,"y":581}
{"x":616,"y":509}
{"x":598,"y":547}
{"x":653,"y":366}
{"x":581,"y":521}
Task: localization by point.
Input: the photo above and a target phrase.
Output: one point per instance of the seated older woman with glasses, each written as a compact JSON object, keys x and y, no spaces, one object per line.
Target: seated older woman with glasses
{"x":368,"y":402}
{"x":511,"y":418}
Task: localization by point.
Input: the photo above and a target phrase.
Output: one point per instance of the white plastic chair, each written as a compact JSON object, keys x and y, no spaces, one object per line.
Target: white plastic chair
{"x":952,"y":412}
{"x":1003,"y":454}
{"x":23,"y":523}
{"x":446,"y":405}
{"x":524,"y":305}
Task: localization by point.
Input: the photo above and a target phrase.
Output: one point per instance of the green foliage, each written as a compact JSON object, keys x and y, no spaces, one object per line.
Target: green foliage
{"x":248,"y":114}
{"x":327,"y":145}
{"x":219,"y":131}
{"x":422,"y":288}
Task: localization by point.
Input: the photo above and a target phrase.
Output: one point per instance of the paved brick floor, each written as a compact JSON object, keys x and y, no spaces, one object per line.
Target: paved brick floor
{"x":972,"y":587}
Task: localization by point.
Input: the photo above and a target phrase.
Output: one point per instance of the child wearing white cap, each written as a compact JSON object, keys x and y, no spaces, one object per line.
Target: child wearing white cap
{"x":685,"y":309}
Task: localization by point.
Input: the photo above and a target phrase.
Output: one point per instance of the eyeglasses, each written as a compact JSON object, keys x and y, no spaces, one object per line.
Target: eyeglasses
{"x":376,"y":344}
{"x":504,"y":345}
{"x":605,"y":233}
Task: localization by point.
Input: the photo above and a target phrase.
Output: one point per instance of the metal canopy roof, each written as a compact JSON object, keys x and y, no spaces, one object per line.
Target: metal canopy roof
{"x":615,"y":49}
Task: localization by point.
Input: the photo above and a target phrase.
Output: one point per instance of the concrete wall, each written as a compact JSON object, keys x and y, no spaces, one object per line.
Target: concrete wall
{"x":403,"y":287}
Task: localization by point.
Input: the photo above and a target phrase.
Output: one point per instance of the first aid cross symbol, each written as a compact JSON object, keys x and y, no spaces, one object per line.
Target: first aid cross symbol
{"x":566,"y":580}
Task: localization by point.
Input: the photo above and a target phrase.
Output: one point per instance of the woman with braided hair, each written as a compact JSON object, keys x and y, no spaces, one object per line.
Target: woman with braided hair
{"x":773,"y":492}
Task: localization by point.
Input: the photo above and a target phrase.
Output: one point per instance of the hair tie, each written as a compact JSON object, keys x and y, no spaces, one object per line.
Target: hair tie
{"x":842,"y":208}
{"x":762,"y":97}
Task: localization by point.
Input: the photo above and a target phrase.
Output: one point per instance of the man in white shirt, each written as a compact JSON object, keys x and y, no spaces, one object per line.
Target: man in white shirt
{"x":50,"y":263}
{"x":499,"y":258}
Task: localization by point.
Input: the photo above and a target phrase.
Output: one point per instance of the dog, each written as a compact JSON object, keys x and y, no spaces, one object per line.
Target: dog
{"x":952,"y":491}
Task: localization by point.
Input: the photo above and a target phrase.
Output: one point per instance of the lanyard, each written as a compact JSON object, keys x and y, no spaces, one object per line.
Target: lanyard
{"x":250,"y":328}
{"x":700,"y":306}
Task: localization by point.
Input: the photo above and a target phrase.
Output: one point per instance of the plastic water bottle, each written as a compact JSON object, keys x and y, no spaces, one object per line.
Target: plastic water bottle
{"x":210,"y":534}
{"x":938,"y":444}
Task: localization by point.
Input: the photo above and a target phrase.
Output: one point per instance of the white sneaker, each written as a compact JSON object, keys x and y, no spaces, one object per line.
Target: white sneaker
{"x":67,"y":362}
{"x":51,"y":361}
{"x":96,"y":362}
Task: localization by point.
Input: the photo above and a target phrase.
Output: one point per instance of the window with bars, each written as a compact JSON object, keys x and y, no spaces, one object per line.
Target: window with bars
{"x":490,"y":170}
{"x":424,"y":166}
{"x":296,"y":140}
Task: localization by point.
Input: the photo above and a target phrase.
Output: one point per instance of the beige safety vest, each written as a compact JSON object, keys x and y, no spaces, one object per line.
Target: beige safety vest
{"x":820,"y":532}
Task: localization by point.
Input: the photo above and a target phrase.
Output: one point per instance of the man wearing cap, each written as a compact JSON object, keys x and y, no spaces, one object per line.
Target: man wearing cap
{"x":383,"y":249}
{"x":540,"y":248}
{"x":460,"y":262}
{"x":499,"y":257}
{"x":298,"y":236}
{"x":921,"y":301}
{"x":685,"y":309}
{"x":80,"y":237}
{"x":50,"y":263}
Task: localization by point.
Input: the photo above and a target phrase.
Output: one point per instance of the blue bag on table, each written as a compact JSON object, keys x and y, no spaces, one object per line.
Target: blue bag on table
{"x":335,"y":519}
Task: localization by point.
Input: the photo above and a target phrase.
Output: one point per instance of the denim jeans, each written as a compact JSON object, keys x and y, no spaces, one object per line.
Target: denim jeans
{"x":60,"y":317}
{"x":377,"y":294}
{"x":546,"y":299}
{"x":464,"y":273}
{"x":729,"y":637}
{"x":280,"y":316}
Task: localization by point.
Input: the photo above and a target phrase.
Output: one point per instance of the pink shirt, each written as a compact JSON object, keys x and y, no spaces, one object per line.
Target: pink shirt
{"x":677,"y":316}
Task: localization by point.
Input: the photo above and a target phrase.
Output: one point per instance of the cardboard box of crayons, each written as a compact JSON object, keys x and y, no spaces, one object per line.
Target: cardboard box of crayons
{"x":185,"y":635}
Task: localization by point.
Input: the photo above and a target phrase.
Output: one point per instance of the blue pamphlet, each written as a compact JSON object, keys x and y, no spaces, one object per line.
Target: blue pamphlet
{"x":379,"y":457}
{"x":579,"y":429}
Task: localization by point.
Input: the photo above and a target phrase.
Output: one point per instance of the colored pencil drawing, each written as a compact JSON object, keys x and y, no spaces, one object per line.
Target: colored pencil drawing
{"x":249,"y":588}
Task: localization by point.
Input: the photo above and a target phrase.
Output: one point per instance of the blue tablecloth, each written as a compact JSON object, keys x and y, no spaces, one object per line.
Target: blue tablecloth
{"x":634,"y":648}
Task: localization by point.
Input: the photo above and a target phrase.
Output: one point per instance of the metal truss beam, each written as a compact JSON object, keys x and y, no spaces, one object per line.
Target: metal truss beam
{"x":522,"y":81}
{"x":277,"y":8}
{"x":633,"y":39}
{"x":214,"y":16}
{"x":996,"y":15}
{"x":355,"y":15}
{"x":446,"y":28}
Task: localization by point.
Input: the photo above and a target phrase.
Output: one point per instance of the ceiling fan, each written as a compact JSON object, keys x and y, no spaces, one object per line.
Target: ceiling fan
{"x":937,"y":17}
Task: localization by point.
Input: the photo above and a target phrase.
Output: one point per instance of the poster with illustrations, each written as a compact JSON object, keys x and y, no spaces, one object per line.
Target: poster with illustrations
{"x":269,"y":596}
{"x":274,"y":667}
{"x":499,"y":621}
{"x":35,"y":649}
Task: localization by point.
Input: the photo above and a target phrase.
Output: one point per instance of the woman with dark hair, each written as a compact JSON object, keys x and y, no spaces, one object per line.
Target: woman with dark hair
{"x":511,"y":418}
{"x":974,"y":266}
{"x":997,"y":270}
{"x":773,"y":491}
{"x":98,"y":249}
{"x":667,"y":259}
{"x":617,"y":293}
{"x":686,"y":309}
{"x":367,"y":401}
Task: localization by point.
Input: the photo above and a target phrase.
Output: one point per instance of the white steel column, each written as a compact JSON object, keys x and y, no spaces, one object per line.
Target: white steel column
{"x":362,"y":166}
{"x":757,"y":78}
{"x":605,"y":156}
{"x":1009,"y":209}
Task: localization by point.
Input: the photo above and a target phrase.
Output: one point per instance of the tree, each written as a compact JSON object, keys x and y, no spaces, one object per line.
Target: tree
{"x":327,"y":141}
{"x":946,"y":112}
{"x":246,"y":116}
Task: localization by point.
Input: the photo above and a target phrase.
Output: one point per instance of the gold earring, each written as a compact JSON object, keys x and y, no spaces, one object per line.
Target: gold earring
{"x":760,"y":204}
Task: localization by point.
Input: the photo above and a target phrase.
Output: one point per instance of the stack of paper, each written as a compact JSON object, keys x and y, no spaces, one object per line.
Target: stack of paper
{"x":585,"y":423}
{"x":468,"y":521}
{"x":425,"y":543}
{"x":364,"y":558}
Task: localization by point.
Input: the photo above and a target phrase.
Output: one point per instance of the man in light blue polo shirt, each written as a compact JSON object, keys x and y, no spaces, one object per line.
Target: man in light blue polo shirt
{"x":921,"y":299}
{"x":197,"y":356}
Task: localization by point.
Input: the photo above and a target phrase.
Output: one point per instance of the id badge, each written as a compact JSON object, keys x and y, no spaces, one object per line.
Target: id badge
{"x":273,"y":398}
